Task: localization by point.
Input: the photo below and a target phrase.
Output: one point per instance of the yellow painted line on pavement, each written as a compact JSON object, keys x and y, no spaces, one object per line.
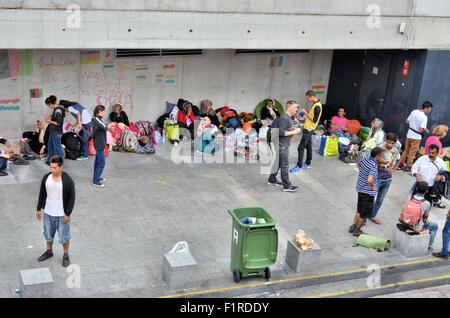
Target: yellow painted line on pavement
{"x":411,"y":282}
{"x":284,"y":281}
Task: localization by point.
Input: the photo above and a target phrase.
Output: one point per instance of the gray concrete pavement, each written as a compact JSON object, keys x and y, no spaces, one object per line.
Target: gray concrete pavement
{"x":120,"y":233}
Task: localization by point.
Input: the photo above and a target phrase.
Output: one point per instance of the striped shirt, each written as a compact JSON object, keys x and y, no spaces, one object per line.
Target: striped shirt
{"x":367,"y":167}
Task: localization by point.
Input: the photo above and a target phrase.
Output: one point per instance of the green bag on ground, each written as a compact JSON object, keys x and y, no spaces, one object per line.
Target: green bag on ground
{"x":373,"y":242}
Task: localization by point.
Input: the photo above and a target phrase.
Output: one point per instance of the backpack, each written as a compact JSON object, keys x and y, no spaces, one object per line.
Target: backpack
{"x":128,"y":139}
{"x":411,"y":213}
{"x":73,"y":145}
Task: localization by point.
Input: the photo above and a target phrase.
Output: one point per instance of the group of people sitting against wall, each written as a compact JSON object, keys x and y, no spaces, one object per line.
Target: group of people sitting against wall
{"x":379,"y":154}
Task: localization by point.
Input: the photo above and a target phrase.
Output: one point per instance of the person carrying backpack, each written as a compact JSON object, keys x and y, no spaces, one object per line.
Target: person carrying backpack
{"x":99,"y":135}
{"x":415,"y":214}
{"x":55,"y":127}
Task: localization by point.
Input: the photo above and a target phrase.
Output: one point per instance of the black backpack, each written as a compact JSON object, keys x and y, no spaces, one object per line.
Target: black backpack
{"x":73,"y":145}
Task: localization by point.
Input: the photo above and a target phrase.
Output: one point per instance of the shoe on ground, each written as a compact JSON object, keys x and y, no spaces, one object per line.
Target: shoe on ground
{"x":440,"y":255}
{"x":296,"y":169}
{"x":97,"y":184}
{"x":430,"y":250}
{"x":352,"y":228}
{"x":439,"y":205}
{"x":305,"y":166}
{"x":45,"y":256}
{"x":82,"y":158}
{"x":3,"y":173}
{"x":66,"y":260}
{"x":290,"y":189}
{"x":276,"y":183}
{"x":102,"y":179}
{"x":357,"y":232}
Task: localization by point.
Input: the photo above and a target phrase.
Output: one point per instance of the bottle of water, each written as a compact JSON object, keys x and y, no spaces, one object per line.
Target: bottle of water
{"x":164,"y":136}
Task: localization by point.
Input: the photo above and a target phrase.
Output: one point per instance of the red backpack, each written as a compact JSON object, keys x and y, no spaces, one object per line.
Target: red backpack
{"x":411,"y":213}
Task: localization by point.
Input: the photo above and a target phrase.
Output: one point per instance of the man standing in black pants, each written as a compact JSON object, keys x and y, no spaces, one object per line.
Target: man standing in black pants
{"x":283,"y":128}
{"x":57,"y":198}
{"x":311,"y":122}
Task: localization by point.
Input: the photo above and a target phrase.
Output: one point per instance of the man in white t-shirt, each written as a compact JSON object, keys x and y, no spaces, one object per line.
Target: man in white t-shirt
{"x":417,"y":125}
{"x":57,"y":199}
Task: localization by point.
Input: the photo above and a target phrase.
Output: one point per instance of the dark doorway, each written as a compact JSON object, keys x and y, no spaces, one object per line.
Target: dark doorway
{"x":374,"y":82}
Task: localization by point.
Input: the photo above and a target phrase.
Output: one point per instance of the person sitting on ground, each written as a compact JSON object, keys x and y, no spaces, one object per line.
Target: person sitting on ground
{"x":445,"y":239}
{"x":186,"y":118}
{"x":119,"y":116}
{"x":206,"y":135}
{"x":427,"y":168}
{"x":422,"y":225}
{"x":39,"y":144}
{"x":3,"y":163}
{"x":439,"y":132}
{"x":377,"y":132}
{"x":206,"y":109}
{"x":338,"y":124}
{"x":270,"y":112}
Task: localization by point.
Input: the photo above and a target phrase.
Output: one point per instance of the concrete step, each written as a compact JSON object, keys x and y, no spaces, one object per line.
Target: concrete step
{"x":362,"y":288}
{"x":351,"y":283}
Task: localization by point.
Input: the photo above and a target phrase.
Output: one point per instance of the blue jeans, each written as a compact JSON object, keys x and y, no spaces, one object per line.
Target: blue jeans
{"x":85,"y":138}
{"x":383,"y":188}
{"x":54,"y":146}
{"x":446,"y":238}
{"x":3,"y":162}
{"x":99,"y":165}
{"x":432,"y":228}
{"x":53,"y":224}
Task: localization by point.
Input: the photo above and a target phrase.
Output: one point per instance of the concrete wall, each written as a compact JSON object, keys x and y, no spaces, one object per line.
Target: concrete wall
{"x":218,"y":24}
{"x":144,"y":85}
{"x":436,"y":88}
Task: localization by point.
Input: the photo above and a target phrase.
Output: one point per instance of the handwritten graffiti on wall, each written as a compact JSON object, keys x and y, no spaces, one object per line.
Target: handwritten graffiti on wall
{"x":108,"y":97}
{"x":46,"y":61}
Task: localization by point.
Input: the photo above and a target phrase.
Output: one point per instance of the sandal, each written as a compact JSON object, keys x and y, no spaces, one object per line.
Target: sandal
{"x":376,"y":221}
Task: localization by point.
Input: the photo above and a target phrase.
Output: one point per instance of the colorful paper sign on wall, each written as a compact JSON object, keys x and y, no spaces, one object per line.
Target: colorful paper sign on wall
{"x":36,"y":93}
{"x":318,"y":89}
{"x":27,"y":62}
{"x":167,"y":75}
{"x":9,"y":105}
{"x":15,"y":62}
{"x":109,"y":57}
{"x":90,"y":57}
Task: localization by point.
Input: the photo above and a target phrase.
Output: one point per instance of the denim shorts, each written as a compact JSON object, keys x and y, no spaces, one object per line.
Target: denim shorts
{"x":53,"y":224}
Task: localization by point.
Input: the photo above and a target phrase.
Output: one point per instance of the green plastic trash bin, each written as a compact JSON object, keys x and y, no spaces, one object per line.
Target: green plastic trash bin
{"x":254,"y":247}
